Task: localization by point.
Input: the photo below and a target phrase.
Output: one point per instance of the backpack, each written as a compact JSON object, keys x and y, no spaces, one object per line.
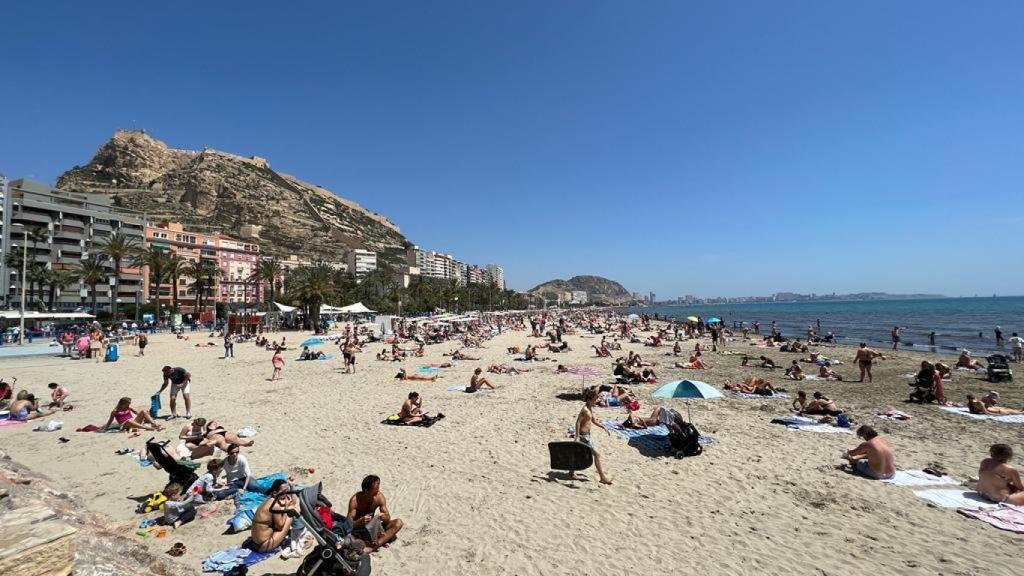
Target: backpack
{"x":685,"y":440}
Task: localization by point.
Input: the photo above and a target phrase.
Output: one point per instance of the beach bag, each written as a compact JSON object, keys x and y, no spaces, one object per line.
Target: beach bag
{"x":843,"y":421}
{"x":154,"y":405}
{"x":112,"y":353}
{"x":241,"y":521}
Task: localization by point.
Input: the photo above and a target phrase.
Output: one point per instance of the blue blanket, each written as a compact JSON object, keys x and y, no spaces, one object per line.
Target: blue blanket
{"x":225,"y":560}
{"x":653,"y":438}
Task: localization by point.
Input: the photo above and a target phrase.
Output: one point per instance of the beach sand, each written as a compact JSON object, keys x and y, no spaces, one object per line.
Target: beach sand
{"x":475,"y":491}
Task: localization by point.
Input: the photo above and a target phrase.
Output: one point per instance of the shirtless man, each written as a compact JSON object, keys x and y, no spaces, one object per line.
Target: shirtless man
{"x":873,"y":458}
{"x":895,"y":335}
{"x":411,"y":411}
{"x":584,"y":423}
{"x":997,"y":479}
{"x":477,"y":382}
{"x":28,"y":409}
{"x":864,"y":358}
{"x":372,"y":523}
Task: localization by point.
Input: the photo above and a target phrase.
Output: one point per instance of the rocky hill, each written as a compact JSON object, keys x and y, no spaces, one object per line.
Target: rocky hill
{"x":598,"y":289}
{"x":210,"y":190}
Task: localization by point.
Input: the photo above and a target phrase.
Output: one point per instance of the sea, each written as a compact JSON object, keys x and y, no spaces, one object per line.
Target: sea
{"x":958,"y":323}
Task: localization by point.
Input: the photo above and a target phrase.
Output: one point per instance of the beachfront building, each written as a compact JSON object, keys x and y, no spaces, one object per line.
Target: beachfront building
{"x":238,"y":262}
{"x":191,"y":246}
{"x":58,"y":230}
{"x":579,"y":297}
{"x":496,"y":275}
{"x":361,"y":262}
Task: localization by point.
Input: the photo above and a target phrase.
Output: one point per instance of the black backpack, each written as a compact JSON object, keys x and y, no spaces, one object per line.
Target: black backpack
{"x":685,"y":440}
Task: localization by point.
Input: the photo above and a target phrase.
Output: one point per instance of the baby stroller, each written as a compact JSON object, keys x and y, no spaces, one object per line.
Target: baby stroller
{"x":999,"y":368}
{"x":179,"y":473}
{"x":683,"y":435}
{"x":332,"y":556}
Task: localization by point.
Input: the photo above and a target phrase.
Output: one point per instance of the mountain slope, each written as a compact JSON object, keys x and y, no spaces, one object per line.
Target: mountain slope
{"x":212,"y":190}
{"x":598,"y":289}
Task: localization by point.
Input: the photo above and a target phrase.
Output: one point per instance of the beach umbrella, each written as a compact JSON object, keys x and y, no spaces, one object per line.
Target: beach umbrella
{"x":687,"y":389}
{"x":691,"y":318}
{"x":713,"y":319}
{"x":312,"y":341}
{"x":633,"y":316}
{"x":584,"y":371}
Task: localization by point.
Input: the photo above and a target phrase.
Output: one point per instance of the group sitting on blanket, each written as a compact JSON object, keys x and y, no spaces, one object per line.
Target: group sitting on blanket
{"x":998,"y":480}
{"x":753,"y":385}
{"x":987,"y":405}
{"x":308,"y":354}
{"x":623,"y":373}
{"x":821,"y":405}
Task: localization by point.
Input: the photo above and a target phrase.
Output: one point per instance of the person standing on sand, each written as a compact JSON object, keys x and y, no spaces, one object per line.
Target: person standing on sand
{"x":1018,"y":347}
{"x":864,"y":358}
{"x":180,"y":380}
{"x":895,"y":336}
{"x":873,"y":458}
{"x":143,"y":340}
{"x":229,"y":346}
{"x":584,"y":422}
{"x":278,"y":361}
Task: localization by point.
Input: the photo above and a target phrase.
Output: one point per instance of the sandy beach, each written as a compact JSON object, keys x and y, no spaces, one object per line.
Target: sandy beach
{"x":475,"y":490}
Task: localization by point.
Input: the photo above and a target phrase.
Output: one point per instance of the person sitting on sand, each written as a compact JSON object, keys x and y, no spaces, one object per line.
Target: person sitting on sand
{"x":752,"y":385}
{"x":613,"y":396}
{"x":795,"y":371}
{"x":820,"y":405}
{"x":677,"y":350}
{"x":695,"y":363}
{"x":998,"y":480}
{"x":584,"y":424}
{"x":123,"y":417}
{"x":272,"y":520}
{"x":601,"y":351}
{"x":402,"y":375}
{"x":476,"y":382}
{"x":873,"y":458}
{"x":26,"y":408}
{"x":965,"y":361}
{"x":825,"y":371}
{"x":58,"y":395}
{"x":458,"y":355}
{"x":990,"y":400}
{"x":179,"y":508}
{"x":411,"y":411}
{"x":372,"y":523}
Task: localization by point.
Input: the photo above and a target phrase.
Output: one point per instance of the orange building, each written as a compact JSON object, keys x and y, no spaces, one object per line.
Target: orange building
{"x":191,"y":247}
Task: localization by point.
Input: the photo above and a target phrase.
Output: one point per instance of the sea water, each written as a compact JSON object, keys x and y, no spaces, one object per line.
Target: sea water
{"x":956,"y":322}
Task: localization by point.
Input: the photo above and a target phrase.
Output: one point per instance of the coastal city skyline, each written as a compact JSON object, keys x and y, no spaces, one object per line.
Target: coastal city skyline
{"x":536,"y":128}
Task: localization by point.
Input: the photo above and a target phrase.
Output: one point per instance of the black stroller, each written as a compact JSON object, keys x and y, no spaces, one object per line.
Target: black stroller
{"x":332,"y":556}
{"x":683,"y":435}
{"x":178,"y":472}
{"x":999,"y":368}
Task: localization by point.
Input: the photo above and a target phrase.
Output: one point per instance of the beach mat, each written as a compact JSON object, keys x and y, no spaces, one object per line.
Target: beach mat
{"x":652,"y":438}
{"x":919,"y":478}
{"x":11,"y":422}
{"x":1005,"y":517}
{"x":954,"y":498}
{"x":394,"y":421}
{"x":823,"y":428}
{"x":1012,"y":419}
{"x":427,"y":370}
{"x":224,"y":561}
{"x":745,"y":396}
{"x":463,"y":389}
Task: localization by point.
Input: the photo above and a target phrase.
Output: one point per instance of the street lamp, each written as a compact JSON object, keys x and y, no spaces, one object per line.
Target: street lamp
{"x":24,"y":275}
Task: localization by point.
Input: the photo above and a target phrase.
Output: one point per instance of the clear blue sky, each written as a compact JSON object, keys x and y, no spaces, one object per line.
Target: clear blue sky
{"x":709,"y":148}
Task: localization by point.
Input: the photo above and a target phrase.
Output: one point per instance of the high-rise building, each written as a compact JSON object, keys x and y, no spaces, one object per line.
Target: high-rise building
{"x":650,"y":298}
{"x":361,"y":263}
{"x":239,"y":261}
{"x":58,"y":230}
{"x":496,"y":274}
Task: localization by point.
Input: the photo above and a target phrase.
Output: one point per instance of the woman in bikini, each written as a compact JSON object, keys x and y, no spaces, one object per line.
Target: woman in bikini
{"x":124,"y":417}
{"x":402,"y":375}
{"x":273,"y":518}
{"x":997,"y":479}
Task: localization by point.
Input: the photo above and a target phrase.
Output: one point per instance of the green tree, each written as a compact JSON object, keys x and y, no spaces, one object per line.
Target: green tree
{"x":158,"y":262}
{"x":268,"y":271}
{"x":56,"y":280}
{"x":92,"y":272}
{"x":310,"y":287}
{"x":175,"y":270}
{"x":121,"y":249}
{"x":204,"y":279}
{"x":35,"y":236}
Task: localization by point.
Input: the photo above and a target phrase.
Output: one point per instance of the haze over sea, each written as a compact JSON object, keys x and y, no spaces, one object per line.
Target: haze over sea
{"x":956,"y":321}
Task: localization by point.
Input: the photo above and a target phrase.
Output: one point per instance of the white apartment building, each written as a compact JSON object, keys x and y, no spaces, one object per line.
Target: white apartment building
{"x":496,"y":274}
{"x":361,"y":263}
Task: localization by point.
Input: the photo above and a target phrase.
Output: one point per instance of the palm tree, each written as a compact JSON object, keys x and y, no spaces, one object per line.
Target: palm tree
{"x":204,"y":276}
{"x":268,"y":271}
{"x":310,"y":286}
{"x":175,"y":270}
{"x":120,"y":248}
{"x":35,"y":236}
{"x":56,"y":279}
{"x":92,"y":272}
{"x":158,"y":261}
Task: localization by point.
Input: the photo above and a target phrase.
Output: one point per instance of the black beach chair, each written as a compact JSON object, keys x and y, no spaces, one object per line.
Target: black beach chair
{"x":332,"y":556}
{"x":178,"y":472}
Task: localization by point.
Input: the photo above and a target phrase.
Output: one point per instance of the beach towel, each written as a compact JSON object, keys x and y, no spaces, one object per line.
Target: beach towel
{"x":394,"y":420}
{"x":427,"y":370}
{"x":11,"y":422}
{"x":919,"y":478}
{"x":954,"y":498}
{"x":795,"y":421}
{"x":1005,"y":517}
{"x":1013,"y":419}
{"x":824,"y":428}
{"x":892,"y":414}
{"x":463,"y":389}
{"x":224,"y":561}
{"x":745,"y":396}
{"x":654,"y":437}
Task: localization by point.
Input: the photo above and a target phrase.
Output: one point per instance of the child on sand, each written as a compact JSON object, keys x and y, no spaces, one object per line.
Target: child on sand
{"x":58,"y":394}
{"x":584,"y":422}
{"x":278,"y":361}
{"x":178,"y":510}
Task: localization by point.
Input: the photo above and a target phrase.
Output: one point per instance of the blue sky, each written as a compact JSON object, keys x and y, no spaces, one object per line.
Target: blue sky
{"x":684,"y":147}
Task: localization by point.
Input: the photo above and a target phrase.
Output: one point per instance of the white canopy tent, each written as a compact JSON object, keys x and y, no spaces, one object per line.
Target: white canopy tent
{"x":356,"y":308}
{"x":285,"y":308}
{"x":33,"y":315}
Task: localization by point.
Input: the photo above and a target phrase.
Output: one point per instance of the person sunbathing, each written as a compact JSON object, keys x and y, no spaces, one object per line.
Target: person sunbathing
{"x":795,"y":372}
{"x":601,"y":351}
{"x":272,"y":520}
{"x":476,"y":382}
{"x":825,"y":371}
{"x":635,"y":421}
{"x":458,"y":355}
{"x":222,"y":438}
{"x":752,"y":385}
{"x":505,"y":369}
{"x":991,"y":399}
{"x":27,"y":408}
{"x":695,"y":363}
{"x":612,"y":395}
{"x":998,"y":480}
{"x":965,"y":361}
{"x":403,"y":375}
{"x":123,"y":417}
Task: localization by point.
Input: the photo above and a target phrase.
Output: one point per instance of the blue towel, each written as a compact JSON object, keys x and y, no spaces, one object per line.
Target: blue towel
{"x":427,"y":370}
{"x":225,"y":560}
{"x":653,"y":438}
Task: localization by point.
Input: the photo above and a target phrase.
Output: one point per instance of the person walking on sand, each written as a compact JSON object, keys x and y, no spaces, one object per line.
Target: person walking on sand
{"x":142,"y":341}
{"x":864,"y":358}
{"x":1018,"y":347}
{"x":584,"y":423}
{"x":895,"y":336}
{"x":229,"y":346}
{"x":278,"y":361}
{"x":180,"y":380}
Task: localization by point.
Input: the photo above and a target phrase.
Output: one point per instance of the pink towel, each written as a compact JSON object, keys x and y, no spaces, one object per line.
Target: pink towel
{"x":10,"y":422}
{"x":1006,"y":517}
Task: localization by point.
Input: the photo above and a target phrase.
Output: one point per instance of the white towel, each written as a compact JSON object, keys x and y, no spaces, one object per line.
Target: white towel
{"x":954,"y":498}
{"x":1013,"y":419}
{"x":919,"y":478}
